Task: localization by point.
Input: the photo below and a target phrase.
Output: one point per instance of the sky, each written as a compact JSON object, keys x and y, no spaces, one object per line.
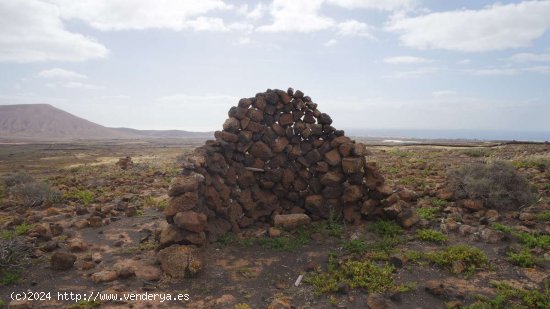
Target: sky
{"x":393,"y":64}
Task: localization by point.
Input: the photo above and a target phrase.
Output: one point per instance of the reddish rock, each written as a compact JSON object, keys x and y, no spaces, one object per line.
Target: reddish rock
{"x":352,"y":165}
{"x":314,"y":201}
{"x":191,"y":221}
{"x":333,"y":157}
{"x":229,"y":137}
{"x":359,"y":149}
{"x":408,"y":218}
{"x":345,"y":149}
{"x":231,"y":124}
{"x":180,"y":261}
{"x":352,"y":194}
{"x":313,"y":156}
{"x":62,"y":260}
{"x":286,"y":120}
{"x":291,"y":221}
{"x":105,"y":276}
{"x":332,"y":178}
{"x":261,"y":150}
{"x":182,"y":184}
{"x":369,"y":206}
{"x":352,"y":214}
{"x":170,"y":235}
{"x":324,"y":119}
{"x":184,"y":202}
{"x":472,"y":205}
{"x":279,"y":144}
{"x":256,"y":115}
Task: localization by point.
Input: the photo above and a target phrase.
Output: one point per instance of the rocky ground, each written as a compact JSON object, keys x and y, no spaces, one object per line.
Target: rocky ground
{"x":99,"y":231}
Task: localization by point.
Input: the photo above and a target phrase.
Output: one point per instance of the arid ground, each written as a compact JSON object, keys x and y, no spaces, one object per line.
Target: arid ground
{"x":461,"y":254}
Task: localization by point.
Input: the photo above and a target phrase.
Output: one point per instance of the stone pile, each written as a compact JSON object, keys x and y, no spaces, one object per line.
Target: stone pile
{"x":277,"y":154}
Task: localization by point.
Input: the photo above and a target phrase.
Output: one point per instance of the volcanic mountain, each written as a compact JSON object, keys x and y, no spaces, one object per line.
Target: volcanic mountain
{"x":46,"y":122}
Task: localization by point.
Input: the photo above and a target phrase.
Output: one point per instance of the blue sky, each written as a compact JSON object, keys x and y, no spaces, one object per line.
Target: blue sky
{"x":395,"y":64}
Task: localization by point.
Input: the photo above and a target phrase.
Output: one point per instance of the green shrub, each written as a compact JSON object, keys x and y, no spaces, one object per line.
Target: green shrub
{"x":355,"y":246}
{"x":478,"y":152}
{"x":431,"y":235}
{"x":498,"y":184}
{"x":17,"y":178}
{"x":385,"y":228}
{"x":540,"y":163}
{"x":14,"y":255}
{"x":427,"y":213}
{"x":9,"y":277}
{"x":84,"y":196}
{"x":35,"y":193}
{"x":530,"y":240}
{"x":534,"y":240}
{"x":523,"y":258}
{"x":355,"y":274}
{"x":285,"y":243}
{"x":544,"y":216}
{"x":471,"y":257}
{"x":437,"y":202}
{"x":22,"y":229}
{"x":511,"y":297}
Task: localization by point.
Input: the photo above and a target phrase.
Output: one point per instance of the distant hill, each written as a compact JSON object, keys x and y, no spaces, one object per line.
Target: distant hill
{"x":166,"y":133}
{"x":45,"y":122}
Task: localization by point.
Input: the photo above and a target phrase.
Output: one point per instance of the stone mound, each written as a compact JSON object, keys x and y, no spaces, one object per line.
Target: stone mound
{"x":277,"y":154}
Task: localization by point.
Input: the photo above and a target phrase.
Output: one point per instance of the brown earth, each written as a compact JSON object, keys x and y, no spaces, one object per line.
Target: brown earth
{"x":111,"y":218}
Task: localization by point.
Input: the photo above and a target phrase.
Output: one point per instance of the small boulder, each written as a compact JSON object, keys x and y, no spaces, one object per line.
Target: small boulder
{"x":182,"y":184}
{"x":191,"y":221}
{"x":376,"y":301}
{"x":62,"y":260}
{"x":279,"y":303}
{"x":20,"y":304}
{"x":180,"y":261}
{"x":291,"y":221}
{"x":104,"y":276}
{"x":408,"y":218}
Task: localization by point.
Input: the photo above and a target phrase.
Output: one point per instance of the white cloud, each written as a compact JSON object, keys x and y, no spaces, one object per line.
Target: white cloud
{"x":386,"y":5}
{"x":406,"y":60}
{"x":443,"y":93}
{"x":137,"y":14}
{"x":543,"y":69}
{"x":33,"y":31}
{"x":414,"y":73}
{"x":530,"y":57}
{"x":256,"y":13}
{"x":185,"y":98}
{"x":330,"y":43}
{"x":73,"y":84}
{"x":58,"y":73}
{"x":354,"y":28}
{"x":244,"y":27}
{"x":465,"y":61}
{"x":243,"y":41}
{"x":493,"y":71}
{"x":495,"y":27}
{"x":298,"y":16}
{"x":202,"y":23}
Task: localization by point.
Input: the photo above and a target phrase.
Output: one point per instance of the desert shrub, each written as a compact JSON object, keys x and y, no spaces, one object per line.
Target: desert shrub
{"x":17,"y":178}
{"x":431,"y":235}
{"x":35,"y":193}
{"x":470,"y":256}
{"x":478,"y":152}
{"x":498,"y":184}
{"x":14,"y":253}
{"x":385,"y":228}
